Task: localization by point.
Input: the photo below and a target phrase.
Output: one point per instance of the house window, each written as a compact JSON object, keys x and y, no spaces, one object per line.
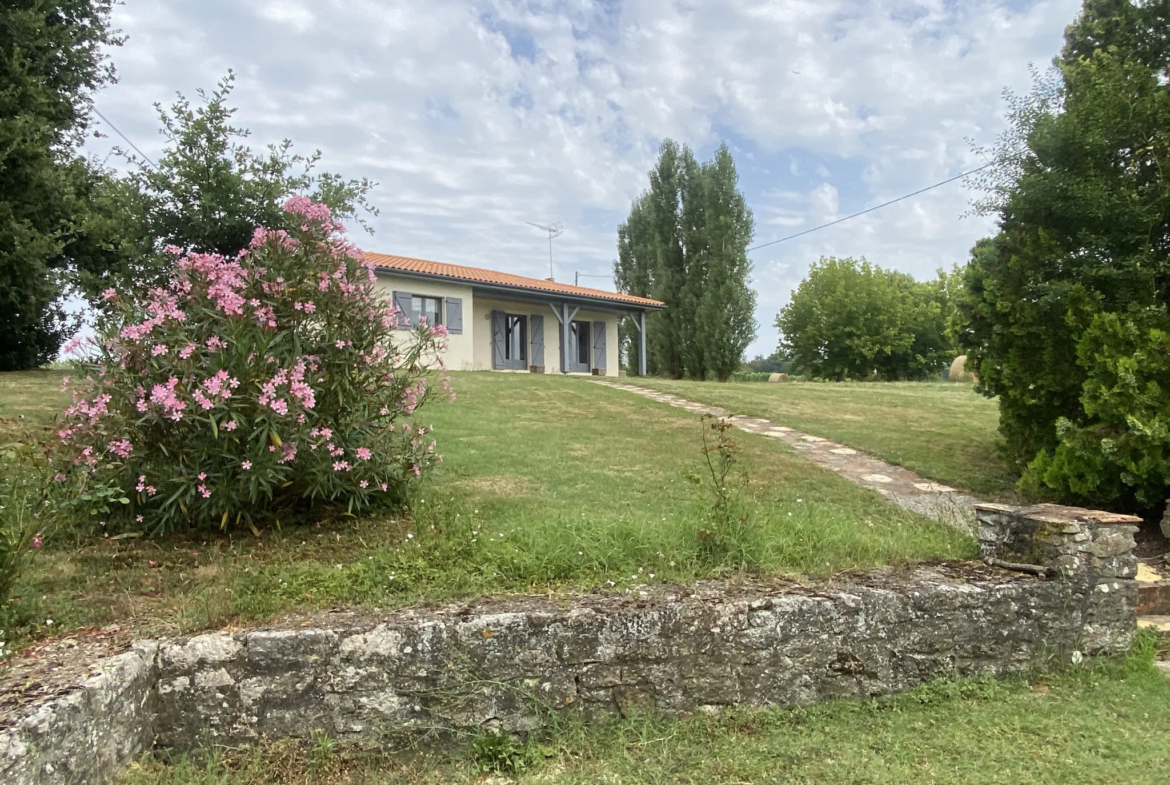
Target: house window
{"x":429,"y":308}
{"x":515,"y":343}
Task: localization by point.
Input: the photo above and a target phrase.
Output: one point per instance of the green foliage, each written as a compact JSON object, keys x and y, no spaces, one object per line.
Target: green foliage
{"x":497,"y":752}
{"x":1122,"y":453}
{"x":51,"y":60}
{"x":253,"y":384}
{"x":854,"y":320}
{"x":1081,"y":193}
{"x":685,"y":243}
{"x":777,"y":362}
{"x":208,"y":193}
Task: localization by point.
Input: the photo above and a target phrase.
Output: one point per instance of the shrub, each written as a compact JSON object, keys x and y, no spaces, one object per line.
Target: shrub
{"x":250,"y":385}
{"x":1121,"y":454}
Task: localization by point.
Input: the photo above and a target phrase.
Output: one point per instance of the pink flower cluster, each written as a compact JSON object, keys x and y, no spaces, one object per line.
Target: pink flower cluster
{"x":297,"y":388}
{"x":165,"y":398}
{"x":121,"y":447}
{"x":218,"y":386}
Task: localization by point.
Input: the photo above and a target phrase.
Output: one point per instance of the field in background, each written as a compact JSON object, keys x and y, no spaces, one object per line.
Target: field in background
{"x":547,"y":483}
{"x":943,"y":431}
{"x":1099,"y":724}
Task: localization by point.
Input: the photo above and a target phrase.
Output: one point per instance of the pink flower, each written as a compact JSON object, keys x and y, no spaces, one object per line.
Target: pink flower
{"x":138,"y":518}
{"x":121,"y":448}
{"x":384,"y":486}
{"x":186,"y":351}
{"x":58,"y":477}
{"x":363,"y":453}
{"x":206,"y":494}
{"x":363,"y":484}
{"x":158,"y":349}
{"x":38,"y":541}
{"x":340,"y":466}
{"x":64,"y":383}
{"x":246,"y":465}
{"x":230,"y":425}
{"x":417,"y":471}
{"x":109,"y":294}
{"x":203,"y":475}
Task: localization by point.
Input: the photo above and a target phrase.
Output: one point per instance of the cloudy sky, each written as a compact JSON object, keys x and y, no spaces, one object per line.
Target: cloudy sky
{"x":477,"y":116}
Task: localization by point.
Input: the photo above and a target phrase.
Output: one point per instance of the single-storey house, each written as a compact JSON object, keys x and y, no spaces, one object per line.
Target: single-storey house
{"x":504,"y":322}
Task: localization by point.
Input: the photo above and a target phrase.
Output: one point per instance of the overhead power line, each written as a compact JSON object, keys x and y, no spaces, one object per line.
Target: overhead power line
{"x":871,"y":209}
{"x":16,"y":34}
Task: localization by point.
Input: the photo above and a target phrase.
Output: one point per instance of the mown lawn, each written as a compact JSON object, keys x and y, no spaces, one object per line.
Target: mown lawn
{"x":1104,"y":723}
{"x":946,"y":432}
{"x":548,"y":484}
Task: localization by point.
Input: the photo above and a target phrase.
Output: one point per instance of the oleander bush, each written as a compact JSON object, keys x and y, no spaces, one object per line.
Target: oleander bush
{"x":255,"y":385}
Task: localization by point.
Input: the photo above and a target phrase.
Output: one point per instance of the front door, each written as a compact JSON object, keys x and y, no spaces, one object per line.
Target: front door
{"x":577,"y":360}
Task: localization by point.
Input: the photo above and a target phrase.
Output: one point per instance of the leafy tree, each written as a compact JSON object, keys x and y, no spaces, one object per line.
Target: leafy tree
{"x":51,"y":61}
{"x":207,"y":193}
{"x":725,"y":317}
{"x":1081,"y":257}
{"x":685,"y":243}
{"x":854,"y":320}
{"x":777,"y":362}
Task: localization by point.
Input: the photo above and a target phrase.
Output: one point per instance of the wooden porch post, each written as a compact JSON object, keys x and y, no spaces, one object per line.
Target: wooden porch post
{"x":642,"y":344}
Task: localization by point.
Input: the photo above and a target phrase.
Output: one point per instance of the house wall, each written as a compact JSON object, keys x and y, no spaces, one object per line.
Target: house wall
{"x":459,"y":354}
{"x":472,"y":350}
{"x":552,"y":342}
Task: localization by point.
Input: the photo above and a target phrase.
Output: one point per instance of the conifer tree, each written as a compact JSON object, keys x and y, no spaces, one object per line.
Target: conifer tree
{"x":685,"y":243}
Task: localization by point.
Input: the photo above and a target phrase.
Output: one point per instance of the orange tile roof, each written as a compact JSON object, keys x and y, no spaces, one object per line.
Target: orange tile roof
{"x":479,"y":275}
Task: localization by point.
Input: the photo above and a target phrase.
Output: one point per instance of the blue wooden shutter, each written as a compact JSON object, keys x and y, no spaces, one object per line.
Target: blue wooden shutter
{"x":402,"y":303}
{"x":536,"y":324}
{"x":454,"y":315}
{"x":498,"y":340}
{"x":599,"y":345}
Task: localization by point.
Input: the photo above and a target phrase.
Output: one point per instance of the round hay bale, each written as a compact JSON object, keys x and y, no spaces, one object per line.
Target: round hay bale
{"x":778,"y":377}
{"x":959,"y":372}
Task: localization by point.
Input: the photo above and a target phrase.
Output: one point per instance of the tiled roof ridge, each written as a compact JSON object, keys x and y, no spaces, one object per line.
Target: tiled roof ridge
{"x":483,"y":275}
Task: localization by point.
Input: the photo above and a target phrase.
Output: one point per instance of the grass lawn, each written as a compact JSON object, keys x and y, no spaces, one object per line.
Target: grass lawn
{"x":548,"y":483}
{"x":1104,"y":723}
{"x":946,"y":432}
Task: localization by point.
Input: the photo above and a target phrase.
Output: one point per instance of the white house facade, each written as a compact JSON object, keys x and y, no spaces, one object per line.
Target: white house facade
{"x":503,"y":322}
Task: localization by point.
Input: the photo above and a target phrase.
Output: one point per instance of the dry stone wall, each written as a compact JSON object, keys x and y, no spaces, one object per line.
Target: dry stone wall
{"x":508,"y":664}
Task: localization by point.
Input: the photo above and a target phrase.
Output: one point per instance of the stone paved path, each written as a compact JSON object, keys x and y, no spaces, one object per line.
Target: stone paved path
{"x":901,"y":486}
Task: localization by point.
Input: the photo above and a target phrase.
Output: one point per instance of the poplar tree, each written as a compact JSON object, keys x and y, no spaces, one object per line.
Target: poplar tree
{"x":725,"y":317}
{"x":685,"y":243}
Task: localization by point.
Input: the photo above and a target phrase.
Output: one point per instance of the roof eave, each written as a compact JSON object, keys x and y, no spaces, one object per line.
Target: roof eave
{"x":542,"y":294}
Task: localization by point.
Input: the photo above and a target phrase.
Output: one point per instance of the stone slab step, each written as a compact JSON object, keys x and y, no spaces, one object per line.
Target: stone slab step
{"x":1153,"y":589}
{"x":1156,"y":623}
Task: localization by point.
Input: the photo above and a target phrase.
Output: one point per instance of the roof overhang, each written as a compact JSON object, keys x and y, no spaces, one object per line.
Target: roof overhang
{"x":525,"y":294}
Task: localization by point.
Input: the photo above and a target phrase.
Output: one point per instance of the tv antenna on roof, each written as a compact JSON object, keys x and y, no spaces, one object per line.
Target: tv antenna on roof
{"x":554,"y":230}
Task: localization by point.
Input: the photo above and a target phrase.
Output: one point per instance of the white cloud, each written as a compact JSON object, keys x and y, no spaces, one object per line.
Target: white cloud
{"x":287,"y":12}
{"x":478,"y":116}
